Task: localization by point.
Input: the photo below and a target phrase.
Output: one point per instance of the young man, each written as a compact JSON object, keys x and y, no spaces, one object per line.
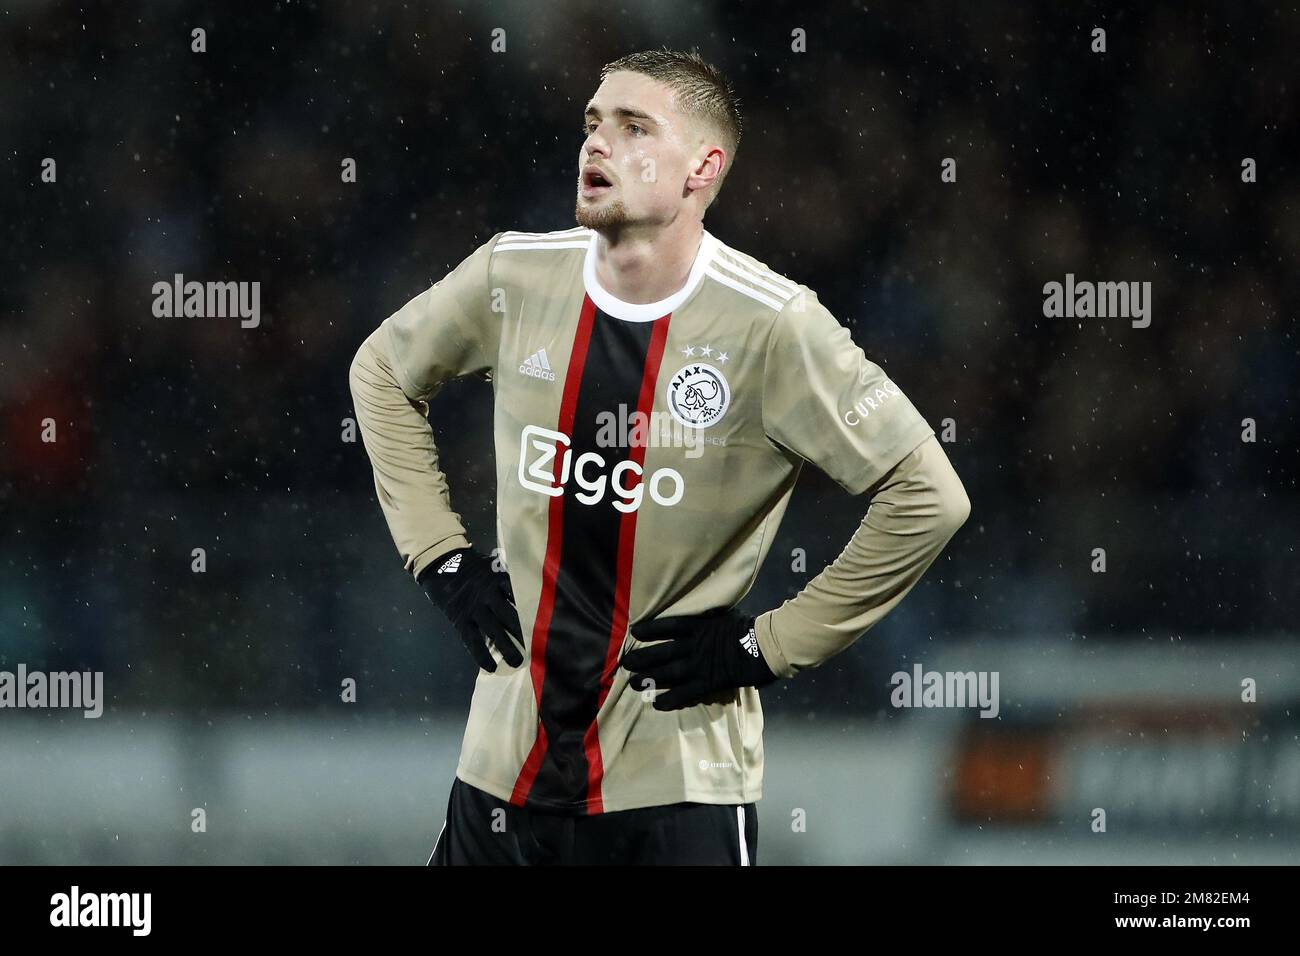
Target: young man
{"x":656,"y":393}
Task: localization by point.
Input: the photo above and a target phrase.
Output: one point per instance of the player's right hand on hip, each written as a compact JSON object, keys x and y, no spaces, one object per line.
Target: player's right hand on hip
{"x":480,"y":604}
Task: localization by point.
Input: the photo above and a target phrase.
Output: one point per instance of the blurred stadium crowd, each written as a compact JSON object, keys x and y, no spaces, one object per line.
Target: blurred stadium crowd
{"x":1070,"y":435}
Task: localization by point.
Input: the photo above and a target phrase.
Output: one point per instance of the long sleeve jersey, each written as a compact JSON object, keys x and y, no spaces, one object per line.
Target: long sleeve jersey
{"x":645,"y":456}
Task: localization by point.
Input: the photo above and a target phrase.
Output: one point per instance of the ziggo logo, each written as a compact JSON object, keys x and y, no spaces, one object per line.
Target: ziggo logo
{"x":538,"y":474}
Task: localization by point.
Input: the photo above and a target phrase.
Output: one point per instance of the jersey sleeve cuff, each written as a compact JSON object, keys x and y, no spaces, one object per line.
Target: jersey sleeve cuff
{"x":770,"y":649}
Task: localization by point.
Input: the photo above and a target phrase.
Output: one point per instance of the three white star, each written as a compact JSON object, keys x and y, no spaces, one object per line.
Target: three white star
{"x":705,"y":350}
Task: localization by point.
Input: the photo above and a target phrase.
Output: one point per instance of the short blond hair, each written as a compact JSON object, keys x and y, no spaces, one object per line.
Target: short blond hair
{"x":700,"y":91}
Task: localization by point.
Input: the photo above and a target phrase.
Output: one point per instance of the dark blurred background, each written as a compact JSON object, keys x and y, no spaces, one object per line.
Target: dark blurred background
{"x":1070,"y":434}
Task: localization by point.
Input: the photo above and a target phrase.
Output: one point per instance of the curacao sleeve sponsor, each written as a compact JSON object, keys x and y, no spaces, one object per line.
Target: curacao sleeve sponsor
{"x":824,"y":400}
{"x":450,"y":330}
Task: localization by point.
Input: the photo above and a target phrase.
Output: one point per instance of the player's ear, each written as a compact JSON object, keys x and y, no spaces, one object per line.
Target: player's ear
{"x":709,"y":165}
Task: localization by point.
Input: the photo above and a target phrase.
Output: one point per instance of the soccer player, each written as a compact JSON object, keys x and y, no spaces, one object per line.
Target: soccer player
{"x":656,"y":393}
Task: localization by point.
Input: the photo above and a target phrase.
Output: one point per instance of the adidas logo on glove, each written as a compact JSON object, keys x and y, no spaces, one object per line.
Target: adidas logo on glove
{"x":750,"y":643}
{"x":451,"y":565}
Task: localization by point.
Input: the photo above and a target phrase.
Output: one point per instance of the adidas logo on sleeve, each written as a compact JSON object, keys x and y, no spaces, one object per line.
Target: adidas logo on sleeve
{"x":537,"y":366}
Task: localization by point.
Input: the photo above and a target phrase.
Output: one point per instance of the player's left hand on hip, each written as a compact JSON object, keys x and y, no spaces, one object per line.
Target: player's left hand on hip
{"x":700,"y":655}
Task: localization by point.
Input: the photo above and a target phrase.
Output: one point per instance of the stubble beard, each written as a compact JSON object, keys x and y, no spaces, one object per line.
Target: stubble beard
{"x":600,"y":217}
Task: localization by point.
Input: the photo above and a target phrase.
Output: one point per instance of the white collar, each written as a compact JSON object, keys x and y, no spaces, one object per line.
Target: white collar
{"x":648,"y":311}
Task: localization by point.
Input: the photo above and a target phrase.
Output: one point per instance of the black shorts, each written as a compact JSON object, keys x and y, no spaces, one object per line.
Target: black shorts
{"x":483,"y":830}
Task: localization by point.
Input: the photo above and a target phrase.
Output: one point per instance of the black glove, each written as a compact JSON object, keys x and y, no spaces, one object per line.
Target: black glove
{"x":479,"y":602}
{"x":701,"y":655}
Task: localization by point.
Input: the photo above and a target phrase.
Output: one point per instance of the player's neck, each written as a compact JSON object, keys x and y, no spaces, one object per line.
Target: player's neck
{"x":638,"y":269}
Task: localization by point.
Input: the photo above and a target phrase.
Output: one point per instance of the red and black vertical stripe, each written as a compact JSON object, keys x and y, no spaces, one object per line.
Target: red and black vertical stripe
{"x":587,"y":571}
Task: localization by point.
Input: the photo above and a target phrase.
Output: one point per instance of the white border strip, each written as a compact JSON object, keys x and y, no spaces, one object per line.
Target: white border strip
{"x":434,"y":852}
{"x":744,"y":847}
{"x":767,"y":300}
{"x":507,"y":246}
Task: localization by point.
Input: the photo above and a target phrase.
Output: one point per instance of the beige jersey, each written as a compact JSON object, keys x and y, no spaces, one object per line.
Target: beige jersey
{"x":645,"y":455}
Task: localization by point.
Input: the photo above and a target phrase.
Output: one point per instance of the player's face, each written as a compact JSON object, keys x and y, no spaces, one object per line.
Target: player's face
{"x":636,"y":155}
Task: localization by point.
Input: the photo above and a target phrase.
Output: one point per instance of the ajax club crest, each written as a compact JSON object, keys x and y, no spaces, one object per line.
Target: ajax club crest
{"x":698,"y":395}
